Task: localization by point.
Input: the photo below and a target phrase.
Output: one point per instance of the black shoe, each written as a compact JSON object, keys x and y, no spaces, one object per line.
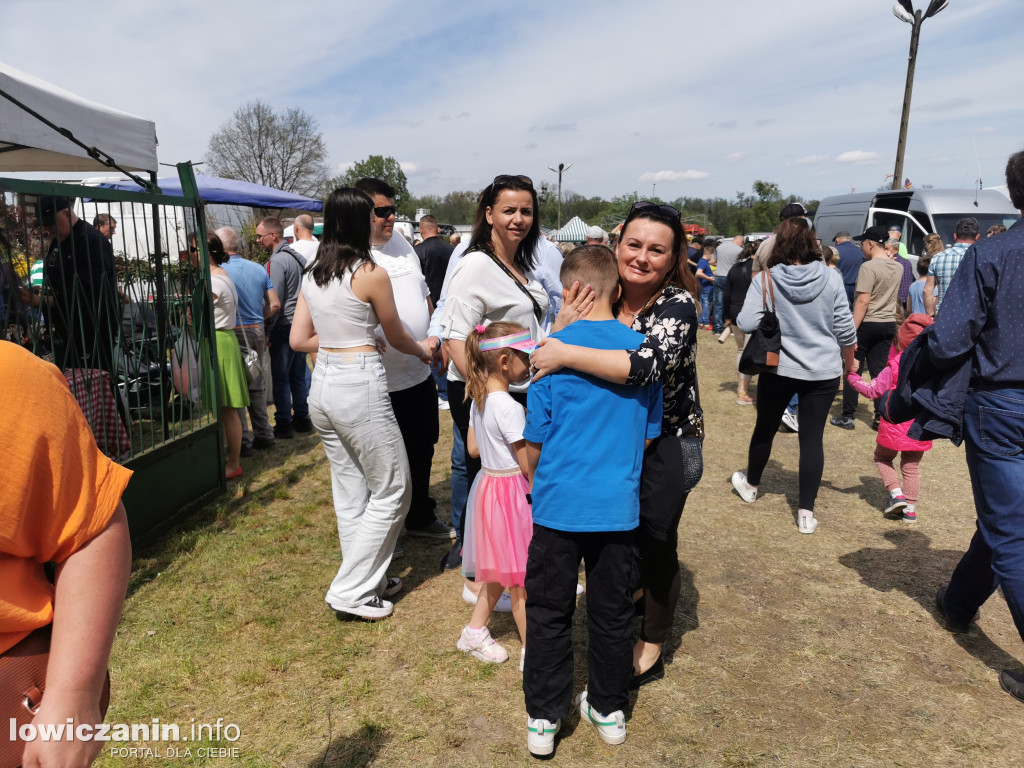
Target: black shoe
{"x":452,"y":559}
{"x":303,"y":426}
{"x":247,"y":452}
{"x":262,"y":443}
{"x":1013,"y":683}
{"x":435,"y":529}
{"x":956,"y":627}
{"x":656,"y":672}
{"x":874,"y":422}
{"x":843,"y":422}
{"x":284,"y":431}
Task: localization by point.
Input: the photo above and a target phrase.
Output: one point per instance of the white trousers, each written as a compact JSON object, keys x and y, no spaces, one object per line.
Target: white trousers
{"x":351,"y":410}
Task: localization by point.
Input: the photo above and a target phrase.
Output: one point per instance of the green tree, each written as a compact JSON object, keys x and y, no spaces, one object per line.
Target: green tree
{"x":383,"y":168}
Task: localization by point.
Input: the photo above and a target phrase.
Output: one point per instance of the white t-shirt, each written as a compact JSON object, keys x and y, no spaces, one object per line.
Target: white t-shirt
{"x":402,"y":264}
{"x":306,"y":248}
{"x":501,"y":424}
{"x":479,"y":291}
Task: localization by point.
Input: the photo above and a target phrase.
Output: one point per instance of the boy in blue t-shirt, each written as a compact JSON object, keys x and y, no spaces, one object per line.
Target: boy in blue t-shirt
{"x":585,"y":441}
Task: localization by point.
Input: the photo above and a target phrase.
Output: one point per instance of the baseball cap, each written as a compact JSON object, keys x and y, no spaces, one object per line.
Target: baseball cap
{"x":840,"y":233}
{"x":897,"y":227}
{"x":595,"y":232}
{"x":792,"y":210}
{"x":876,"y":234}
{"x":47,"y":207}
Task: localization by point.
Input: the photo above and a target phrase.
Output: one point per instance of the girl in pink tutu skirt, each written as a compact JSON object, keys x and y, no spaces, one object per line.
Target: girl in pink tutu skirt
{"x":499,"y":523}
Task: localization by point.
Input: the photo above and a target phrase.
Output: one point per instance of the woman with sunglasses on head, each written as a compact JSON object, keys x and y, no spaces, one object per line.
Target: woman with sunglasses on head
{"x":657,"y":300}
{"x":344,"y":297}
{"x":493,"y":282}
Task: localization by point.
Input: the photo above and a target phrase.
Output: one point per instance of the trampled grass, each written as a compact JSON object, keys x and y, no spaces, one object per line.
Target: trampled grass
{"x":789,"y":650}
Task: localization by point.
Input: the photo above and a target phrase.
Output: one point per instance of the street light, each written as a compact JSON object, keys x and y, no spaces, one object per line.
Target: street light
{"x":904,"y":11}
{"x":561,"y":168}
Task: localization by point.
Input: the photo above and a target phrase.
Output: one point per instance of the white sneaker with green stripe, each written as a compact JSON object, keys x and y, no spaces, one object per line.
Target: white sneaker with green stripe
{"x":540,"y":736}
{"x":611,"y":728}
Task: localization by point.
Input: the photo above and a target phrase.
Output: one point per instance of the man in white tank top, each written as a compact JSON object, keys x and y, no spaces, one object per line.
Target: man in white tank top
{"x":410,"y":382}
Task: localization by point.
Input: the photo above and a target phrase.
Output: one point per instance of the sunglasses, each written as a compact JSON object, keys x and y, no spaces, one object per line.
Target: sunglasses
{"x":645,"y":205}
{"x":384,"y":211}
{"x":506,"y":179}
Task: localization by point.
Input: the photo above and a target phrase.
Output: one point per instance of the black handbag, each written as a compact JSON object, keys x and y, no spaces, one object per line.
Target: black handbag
{"x":761,"y":355}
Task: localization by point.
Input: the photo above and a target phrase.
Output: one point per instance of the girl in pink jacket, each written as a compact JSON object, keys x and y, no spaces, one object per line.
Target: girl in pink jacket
{"x":892,"y":438}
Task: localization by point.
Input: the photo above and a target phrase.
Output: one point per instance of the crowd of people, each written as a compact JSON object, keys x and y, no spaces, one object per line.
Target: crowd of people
{"x":530,"y":344}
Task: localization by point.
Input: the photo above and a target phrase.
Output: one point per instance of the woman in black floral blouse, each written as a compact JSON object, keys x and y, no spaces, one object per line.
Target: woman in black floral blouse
{"x":658,"y":301}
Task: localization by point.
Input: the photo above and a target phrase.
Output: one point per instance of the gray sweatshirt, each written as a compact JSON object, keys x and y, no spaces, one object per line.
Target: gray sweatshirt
{"x":814,"y":315}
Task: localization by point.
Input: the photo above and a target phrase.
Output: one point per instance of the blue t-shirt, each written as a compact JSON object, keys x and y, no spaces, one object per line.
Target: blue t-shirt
{"x":593,"y":431}
{"x":251,"y":280}
{"x":704,"y":266}
{"x":850,"y":260}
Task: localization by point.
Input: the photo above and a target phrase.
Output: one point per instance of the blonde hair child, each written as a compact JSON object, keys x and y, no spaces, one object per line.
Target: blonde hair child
{"x":499,"y":523}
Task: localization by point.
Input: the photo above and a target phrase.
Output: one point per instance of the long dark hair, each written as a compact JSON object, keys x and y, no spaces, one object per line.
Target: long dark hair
{"x":216,"y":249}
{"x":346,"y":237}
{"x":679,"y":275}
{"x":482,"y":230}
{"x":795,"y":243}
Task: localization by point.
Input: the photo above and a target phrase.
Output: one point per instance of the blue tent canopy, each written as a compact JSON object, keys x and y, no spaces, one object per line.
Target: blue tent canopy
{"x":213,"y":189}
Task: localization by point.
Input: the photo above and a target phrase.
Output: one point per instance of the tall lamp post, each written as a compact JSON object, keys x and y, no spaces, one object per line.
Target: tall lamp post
{"x":904,"y":11}
{"x":562,"y":167}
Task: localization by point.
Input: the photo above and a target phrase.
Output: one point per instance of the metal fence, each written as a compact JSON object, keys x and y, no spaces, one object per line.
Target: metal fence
{"x":107,"y":286}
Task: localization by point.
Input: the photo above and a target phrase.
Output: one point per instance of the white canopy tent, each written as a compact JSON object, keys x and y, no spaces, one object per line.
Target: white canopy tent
{"x":574,"y":231}
{"x":29,"y":144}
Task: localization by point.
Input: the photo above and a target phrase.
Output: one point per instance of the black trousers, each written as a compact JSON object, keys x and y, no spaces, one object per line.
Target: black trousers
{"x":416,"y":413}
{"x":773,"y":395}
{"x":459,"y":408}
{"x":672,"y":467}
{"x":873,"y":342}
{"x":552,"y":568}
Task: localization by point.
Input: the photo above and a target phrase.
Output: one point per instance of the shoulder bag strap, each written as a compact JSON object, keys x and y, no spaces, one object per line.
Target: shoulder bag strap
{"x":537,"y":311}
{"x":767,"y":287}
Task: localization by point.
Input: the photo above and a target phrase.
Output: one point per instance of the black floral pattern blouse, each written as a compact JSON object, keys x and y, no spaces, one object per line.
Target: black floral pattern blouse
{"x":669,"y":353}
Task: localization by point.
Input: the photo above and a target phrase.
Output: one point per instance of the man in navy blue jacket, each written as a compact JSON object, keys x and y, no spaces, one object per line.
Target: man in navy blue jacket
{"x":982,"y":322}
{"x":850,"y":259}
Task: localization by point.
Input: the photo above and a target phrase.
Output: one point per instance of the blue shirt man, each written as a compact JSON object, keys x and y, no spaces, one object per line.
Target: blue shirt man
{"x":981,"y":322}
{"x":850,"y":260}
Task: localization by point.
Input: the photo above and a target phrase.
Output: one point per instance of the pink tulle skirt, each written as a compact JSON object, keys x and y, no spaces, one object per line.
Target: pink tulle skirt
{"x":499,"y":526}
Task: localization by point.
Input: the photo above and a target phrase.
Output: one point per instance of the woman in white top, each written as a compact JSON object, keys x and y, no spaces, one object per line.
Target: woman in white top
{"x":489,"y":284}
{"x":234,"y":389}
{"x":343,"y":299}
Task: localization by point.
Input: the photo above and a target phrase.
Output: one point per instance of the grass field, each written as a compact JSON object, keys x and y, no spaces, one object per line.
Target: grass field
{"x":789,"y":650}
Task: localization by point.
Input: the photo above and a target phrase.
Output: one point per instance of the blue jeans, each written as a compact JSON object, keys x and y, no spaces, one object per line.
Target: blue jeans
{"x":706,"y":291}
{"x":288,"y":369}
{"x":441,"y":379}
{"x":459,"y":481}
{"x":719,"y":313}
{"x":351,"y":410}
{"x":994,"y":436}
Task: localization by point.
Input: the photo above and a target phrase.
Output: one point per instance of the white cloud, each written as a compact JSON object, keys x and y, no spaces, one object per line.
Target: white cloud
{"x":344,"y":167}
{"x":411,"y":168}
{"x":811,"y":160}
{"x":657,"y":176}
{"x":735,"y":157}
{"x":858,"y":156}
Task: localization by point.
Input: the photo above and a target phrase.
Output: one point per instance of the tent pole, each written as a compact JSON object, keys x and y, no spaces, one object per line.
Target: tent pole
{"x":158,"y":278}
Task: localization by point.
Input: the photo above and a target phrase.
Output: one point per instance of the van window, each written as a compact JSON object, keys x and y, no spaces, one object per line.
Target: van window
{"x":826,"y":226}
{"x":946,"y":223}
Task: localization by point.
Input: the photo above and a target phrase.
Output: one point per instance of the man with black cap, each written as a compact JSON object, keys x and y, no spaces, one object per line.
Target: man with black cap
{"x":850,"y":260}
{"x":874,"y":315}
{"x":83,"y":304}
{"x":944,"y":265}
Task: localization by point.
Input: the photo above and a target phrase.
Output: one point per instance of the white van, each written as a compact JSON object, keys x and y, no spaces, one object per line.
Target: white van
{"x":917,"y":212}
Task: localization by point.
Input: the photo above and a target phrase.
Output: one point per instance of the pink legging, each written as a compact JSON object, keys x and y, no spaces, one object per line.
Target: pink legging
{"x":909,"y":467}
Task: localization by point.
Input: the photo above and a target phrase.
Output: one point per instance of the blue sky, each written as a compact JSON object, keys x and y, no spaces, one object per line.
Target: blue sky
{"x":699,"y":99}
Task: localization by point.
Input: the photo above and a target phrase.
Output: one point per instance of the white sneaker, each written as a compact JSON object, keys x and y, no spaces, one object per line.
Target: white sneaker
{"x":790,"y":420}
{"x":806,"y":523}
{"x":746,"y":491}
{"x":480,"y":643}
{"x":504,"y":604}
{"x":372,"y":609}
{"x":611,"y":728}
{"x":579,"y":589}
{"x":540,"y":736}
{"x":442,"y":405}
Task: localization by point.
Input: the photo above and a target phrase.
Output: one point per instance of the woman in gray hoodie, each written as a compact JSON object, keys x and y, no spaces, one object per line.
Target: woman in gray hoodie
{"x":818,"y":340}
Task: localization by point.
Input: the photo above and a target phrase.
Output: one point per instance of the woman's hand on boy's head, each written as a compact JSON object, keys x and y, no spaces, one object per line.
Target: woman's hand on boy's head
{"x":577,"y":301}
{"x":548,"y":357}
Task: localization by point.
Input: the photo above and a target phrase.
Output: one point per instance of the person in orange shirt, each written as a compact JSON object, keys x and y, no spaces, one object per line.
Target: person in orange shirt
{"x":60,"y":502}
